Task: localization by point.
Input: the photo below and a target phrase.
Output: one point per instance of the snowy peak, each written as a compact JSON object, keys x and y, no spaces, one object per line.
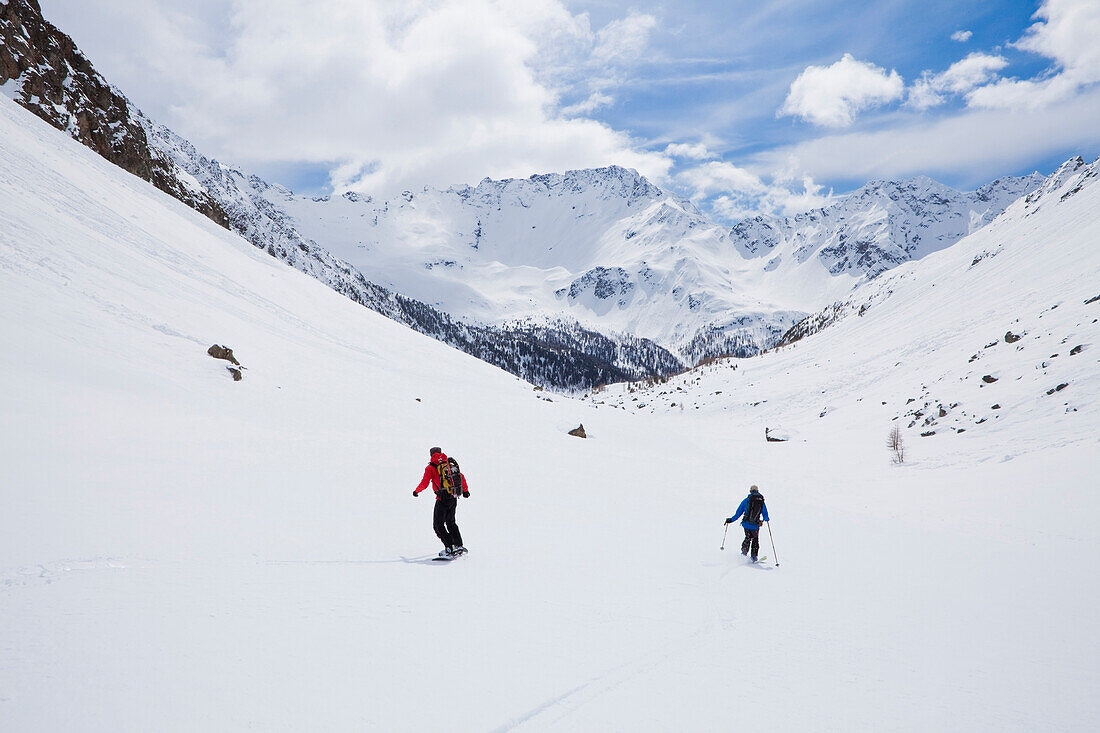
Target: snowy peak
{"x":611,"y":182}
{"x":1067,"y":181}
{"x":821,"y":254}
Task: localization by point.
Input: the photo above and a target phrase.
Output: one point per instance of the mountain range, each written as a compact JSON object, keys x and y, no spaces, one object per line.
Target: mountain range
{"x":568,"y":280}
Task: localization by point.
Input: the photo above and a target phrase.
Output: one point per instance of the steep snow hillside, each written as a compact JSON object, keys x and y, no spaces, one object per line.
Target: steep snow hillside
{"x":814,"y":258}
{"x":602,"y":246}
{"x":181,"y":551}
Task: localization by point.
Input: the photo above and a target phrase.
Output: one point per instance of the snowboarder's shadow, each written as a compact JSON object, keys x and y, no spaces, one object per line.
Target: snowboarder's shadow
{"x":423,"y":560}
{"x":400,"y":559}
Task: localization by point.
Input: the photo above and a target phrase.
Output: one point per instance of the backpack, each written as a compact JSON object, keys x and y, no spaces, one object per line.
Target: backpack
{"x":450,"y":477}
{"x":755,"y":508}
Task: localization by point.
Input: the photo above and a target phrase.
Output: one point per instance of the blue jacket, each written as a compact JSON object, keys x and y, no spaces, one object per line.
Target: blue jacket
{"x":741,"y":510}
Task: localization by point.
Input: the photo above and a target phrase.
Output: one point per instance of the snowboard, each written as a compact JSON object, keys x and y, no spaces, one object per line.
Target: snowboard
{"x":438,"y":558}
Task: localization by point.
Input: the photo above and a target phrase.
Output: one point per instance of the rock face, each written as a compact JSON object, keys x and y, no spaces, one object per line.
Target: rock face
{"x":42,"y":70}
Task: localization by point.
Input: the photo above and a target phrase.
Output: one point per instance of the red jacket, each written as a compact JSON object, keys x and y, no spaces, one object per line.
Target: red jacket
{"x":431,"y":475}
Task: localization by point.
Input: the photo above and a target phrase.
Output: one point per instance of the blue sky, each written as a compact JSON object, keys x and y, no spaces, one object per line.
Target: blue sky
{"x":746,"y":107}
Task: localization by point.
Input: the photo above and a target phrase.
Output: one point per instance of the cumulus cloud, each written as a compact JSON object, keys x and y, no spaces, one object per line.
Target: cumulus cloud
{"x":388,"y":94}
{"x":1066,"y":33}
{"x":718,"y":176}
{"x":961,"y":36}
{"x":976,"y":145}
{"x":733,"y":193}
{"x":831,"y":96}
{"x":690,"y":151}
{"x":961,"y":77}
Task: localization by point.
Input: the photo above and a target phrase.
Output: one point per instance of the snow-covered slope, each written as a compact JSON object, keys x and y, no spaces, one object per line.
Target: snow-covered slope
{"x":185,"y":552}
{"x":994,"y":337}
{"x":812,"y":259}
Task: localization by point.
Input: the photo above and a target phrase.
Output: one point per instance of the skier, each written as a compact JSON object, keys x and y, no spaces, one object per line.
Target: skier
{"x":754,"y":509}
{"x":447,"y":483}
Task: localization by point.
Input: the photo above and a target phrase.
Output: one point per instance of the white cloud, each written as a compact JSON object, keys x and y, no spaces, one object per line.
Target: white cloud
{"x":390,"y":94}
{"x":735,"y":193}
{"x":690,"y":151}
{"x":719,"y":176}
{"x":961,"y":36}
{"x":623,"y":41}
{"x":595,"y":101}
{"x":976,"y":146}
{"x":832,"y":95}
{"x":1066,"y":33}
{"x":961,"y":77}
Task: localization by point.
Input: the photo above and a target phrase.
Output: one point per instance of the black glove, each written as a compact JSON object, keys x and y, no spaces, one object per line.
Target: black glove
{"x":414,"y":493}
{"x":465,"y":494}
{"x":729,"y":521}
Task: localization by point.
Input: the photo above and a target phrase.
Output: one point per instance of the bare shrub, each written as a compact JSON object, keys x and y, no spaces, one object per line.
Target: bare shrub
{"x":896,"y":444}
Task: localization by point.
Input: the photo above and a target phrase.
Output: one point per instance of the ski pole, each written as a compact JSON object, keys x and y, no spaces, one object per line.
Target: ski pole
{"x":774,"y":553}
{"x":727,"y":529}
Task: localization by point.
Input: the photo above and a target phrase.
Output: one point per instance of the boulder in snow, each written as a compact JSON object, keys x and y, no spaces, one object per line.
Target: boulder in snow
{"x":222,"y":352}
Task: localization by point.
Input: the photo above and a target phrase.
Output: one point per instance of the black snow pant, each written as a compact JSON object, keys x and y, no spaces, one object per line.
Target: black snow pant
{"x":443,"y":521}
{"x":752,"y":537}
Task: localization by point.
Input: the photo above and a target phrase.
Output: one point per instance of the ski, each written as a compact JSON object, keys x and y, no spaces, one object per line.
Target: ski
{"x":762,"y":558}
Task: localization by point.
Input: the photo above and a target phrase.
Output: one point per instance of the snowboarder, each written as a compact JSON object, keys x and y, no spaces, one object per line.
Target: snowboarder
{"x":754,"y":509}
{"x":447,"y":483}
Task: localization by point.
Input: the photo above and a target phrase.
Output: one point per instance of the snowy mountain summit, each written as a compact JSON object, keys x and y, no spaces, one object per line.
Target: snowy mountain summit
{"x":878,"y":227}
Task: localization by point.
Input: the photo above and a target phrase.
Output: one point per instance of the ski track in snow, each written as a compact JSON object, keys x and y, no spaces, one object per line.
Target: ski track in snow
{"x":52,"y":572}
{"x":559,"y":709}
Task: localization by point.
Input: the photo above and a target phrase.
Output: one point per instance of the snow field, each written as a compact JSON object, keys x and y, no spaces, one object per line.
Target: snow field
{"x":182,"y":552}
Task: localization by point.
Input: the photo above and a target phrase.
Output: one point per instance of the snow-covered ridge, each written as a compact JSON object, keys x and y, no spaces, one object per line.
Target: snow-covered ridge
{"x":878,"y":227}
